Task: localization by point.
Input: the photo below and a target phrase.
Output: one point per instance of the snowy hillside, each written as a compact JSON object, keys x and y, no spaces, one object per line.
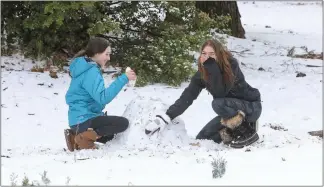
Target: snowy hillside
{"x":34,"y":114}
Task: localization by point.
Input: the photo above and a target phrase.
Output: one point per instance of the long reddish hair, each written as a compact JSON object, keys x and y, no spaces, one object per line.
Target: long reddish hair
{"x":222,"y":56}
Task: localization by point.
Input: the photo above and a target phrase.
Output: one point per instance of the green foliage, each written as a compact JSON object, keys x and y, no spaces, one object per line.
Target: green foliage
{"x":219,"y":167}
{"x":11,"y":25}
{"x":47,"y":27}
{"x":155,"y":38}
{"x":26,"y":182}
{"x":158,"y":49}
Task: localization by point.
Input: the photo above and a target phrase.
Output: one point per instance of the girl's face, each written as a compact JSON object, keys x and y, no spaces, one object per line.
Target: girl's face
{"x":102,"y":58}
{"x":206,"y":53}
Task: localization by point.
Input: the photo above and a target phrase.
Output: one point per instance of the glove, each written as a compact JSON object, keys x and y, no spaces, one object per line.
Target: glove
{"x":157,"y":124}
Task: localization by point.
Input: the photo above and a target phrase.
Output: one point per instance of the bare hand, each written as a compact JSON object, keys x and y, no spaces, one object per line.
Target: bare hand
{"x":131,"y":75}
{"x":202,"y":59}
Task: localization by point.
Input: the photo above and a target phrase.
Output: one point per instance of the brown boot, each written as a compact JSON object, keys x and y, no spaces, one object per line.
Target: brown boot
{"x":69,"y":139}
{"x":86,"y":139}
{"x":234,"y":121}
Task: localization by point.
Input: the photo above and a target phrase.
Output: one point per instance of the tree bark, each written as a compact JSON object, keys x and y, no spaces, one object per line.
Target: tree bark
{"x":218,"y":8}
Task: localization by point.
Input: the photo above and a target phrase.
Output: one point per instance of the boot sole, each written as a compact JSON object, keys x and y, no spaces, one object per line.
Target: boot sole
{"x":254,"y":138}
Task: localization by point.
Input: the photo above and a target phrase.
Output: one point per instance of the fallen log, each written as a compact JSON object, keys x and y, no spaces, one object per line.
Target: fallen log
{"x":316,"y":133}
{"x":313,"y":66}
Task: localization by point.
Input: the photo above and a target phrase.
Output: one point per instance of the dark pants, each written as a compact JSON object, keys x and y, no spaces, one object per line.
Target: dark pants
{"x":227,"y":108}
{"x":105,"y":126}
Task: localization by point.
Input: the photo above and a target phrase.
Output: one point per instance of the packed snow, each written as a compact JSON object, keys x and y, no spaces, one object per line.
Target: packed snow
{"x":34,"y":115}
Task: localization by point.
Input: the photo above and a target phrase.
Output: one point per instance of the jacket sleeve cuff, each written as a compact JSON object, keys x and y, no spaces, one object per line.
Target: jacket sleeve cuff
{"x":209,"y":61}
{"x":123,"y":78}
{"x":165,"y":117}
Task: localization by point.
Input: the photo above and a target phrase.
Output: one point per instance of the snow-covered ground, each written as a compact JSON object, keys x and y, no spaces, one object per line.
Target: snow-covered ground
{"x":33,"y":116}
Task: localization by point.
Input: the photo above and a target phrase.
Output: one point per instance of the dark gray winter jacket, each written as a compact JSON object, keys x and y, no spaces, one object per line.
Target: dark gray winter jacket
{"x":216,"y":87}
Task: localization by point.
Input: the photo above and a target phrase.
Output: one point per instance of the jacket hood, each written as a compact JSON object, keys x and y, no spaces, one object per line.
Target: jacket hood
{"x":80,"y":65}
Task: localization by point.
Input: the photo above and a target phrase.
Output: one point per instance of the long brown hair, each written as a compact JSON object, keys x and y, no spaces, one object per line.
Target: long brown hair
{"x":95,"y":45}
{"x":222,"y":58}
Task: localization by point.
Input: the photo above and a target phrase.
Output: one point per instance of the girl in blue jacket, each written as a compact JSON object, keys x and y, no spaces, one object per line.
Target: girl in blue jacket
{"x":87,"y":97}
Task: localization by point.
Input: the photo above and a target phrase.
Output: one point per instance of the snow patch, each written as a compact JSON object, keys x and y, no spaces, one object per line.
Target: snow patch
{"x":139,"y":112}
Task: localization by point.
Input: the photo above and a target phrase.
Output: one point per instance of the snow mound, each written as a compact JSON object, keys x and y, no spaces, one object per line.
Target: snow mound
{"x":139,"y":112}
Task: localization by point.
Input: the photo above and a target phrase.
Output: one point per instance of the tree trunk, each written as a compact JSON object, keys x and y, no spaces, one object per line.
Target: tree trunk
{"x":218,"y":8}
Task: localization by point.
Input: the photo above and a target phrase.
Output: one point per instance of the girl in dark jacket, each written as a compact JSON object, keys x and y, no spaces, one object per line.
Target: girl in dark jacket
{"x":236,"y":103}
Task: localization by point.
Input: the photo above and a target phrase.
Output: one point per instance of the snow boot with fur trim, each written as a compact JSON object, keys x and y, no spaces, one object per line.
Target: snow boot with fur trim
{"x":70,"y":140}
{"x":234,"y":121}
{"x":86,"y":139}
{"x":226,"y":135}
{"x":244,"y":135}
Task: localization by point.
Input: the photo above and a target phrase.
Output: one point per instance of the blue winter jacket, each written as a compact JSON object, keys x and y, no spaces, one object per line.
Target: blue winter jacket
{"x":87,"y":95}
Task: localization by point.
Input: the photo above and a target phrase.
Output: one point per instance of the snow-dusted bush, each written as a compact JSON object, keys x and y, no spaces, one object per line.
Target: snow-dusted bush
{"x":155,"y":38}
{"x":219,"y":167}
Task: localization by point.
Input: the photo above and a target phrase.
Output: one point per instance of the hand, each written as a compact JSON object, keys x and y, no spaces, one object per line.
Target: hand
{"x":202,"y":59}
{"x":131,"y":75}
{"x":157,"y":124}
